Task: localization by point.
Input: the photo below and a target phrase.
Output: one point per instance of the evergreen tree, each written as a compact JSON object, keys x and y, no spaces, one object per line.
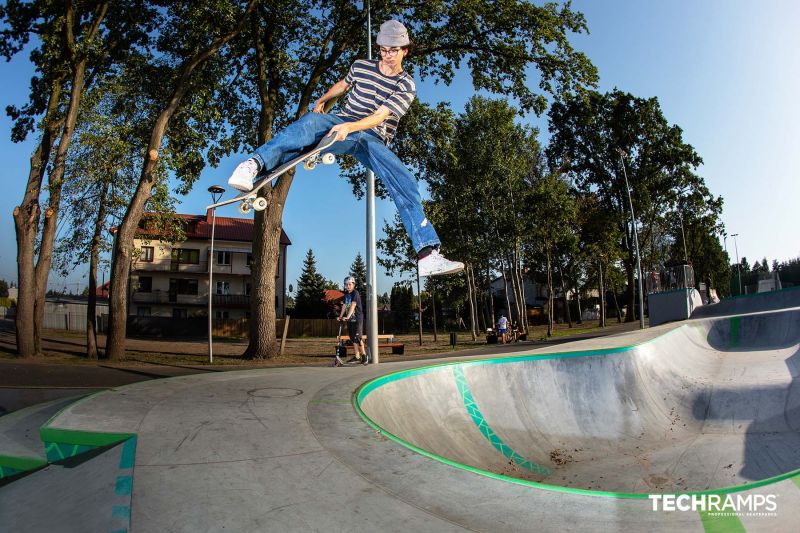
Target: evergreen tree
{"x":402,"y":303}
{"x":310,"y":290}
{"x":359,"y":271}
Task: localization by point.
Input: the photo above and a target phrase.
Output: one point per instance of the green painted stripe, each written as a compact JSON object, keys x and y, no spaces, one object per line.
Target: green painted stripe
{"x":736,"y":331}
{"x":796,"y":480}
{"x":123,"y":485}
{"x":21,"y":463}
{"x":486,"y":430}
{"x":365,"y":389}
{"x":729,"y":523}
{"x":128,"y":453}
{"x":121,"y":512}
{"x":84,"y":438}
{"x":7,"y":471}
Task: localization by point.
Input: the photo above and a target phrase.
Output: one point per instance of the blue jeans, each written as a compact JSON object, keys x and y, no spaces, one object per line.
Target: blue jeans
{"x":370,"y":150}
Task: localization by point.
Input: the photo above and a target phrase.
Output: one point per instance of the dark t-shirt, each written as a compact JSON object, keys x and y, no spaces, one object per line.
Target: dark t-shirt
{"x":353,"y":298}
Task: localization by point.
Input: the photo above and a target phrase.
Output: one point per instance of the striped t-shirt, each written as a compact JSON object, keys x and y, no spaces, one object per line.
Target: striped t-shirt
{"x":370,"y":89}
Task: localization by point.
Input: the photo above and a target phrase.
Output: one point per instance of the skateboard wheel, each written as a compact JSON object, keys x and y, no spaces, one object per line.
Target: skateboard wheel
{"x":244,"y":208}
{"x":309,"y":165}
{"x":259,"y":204}
{"x":328,"y":159}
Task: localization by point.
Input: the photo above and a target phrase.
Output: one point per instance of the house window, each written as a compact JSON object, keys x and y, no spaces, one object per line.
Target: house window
{"x":178,"y":312}
{"x":248,"y":288}
{"x":223,"y":314}
{"x":145,"y":284}
{"x":223,"y":287}
{"x":249,"y":259}
{"x":223,"y":258}
{"x":147,"y":254}
{"x":186,"y":256}
{"x":183,"y":286}
{"x":142,"y":311}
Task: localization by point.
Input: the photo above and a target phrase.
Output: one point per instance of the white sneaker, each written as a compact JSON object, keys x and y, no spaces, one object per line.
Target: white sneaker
{"x":244,"y":174}
{"x":435,"y":264}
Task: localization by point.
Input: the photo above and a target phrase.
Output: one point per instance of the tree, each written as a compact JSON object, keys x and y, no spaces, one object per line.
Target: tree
{"x":551,"y":231}
{"x":587,"y":133}
{"x":99,"y":176}
{"x":359,"y":271}
{"x":310,"y":290}
{"x":3,"y":288}
{"x":76,"y":44}
{"x":182,"y":71}
{"x":402,"y":305}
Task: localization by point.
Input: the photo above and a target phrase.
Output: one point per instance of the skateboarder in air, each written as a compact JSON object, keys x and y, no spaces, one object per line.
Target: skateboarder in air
{"x":380,"y":94}
{"x":353,"y":314}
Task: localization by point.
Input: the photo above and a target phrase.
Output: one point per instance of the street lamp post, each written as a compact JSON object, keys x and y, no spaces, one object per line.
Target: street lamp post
{"x":635,"y":240}
{"x":738,"y":264}
{"x":216,"y":193}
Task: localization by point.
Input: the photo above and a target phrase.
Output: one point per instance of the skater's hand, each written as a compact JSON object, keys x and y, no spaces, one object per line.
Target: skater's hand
{"x":341,"y":131}
{"x":319,"y":107}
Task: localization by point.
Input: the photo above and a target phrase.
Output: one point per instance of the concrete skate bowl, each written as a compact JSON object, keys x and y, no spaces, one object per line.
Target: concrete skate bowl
{"x":710,"y":406}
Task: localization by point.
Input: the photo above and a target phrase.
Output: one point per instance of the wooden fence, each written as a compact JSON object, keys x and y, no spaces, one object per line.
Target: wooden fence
{"x":298,"y":327}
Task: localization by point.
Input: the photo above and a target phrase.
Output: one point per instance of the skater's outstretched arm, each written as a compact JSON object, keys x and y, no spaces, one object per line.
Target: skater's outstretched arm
{"x":338,"y":88}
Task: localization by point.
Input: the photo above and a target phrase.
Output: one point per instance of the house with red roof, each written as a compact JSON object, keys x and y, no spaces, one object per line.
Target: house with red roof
{"x":170,"y":276}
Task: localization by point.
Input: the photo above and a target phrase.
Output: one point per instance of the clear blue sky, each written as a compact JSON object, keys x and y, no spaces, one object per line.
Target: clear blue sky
{"x":725,"y":71}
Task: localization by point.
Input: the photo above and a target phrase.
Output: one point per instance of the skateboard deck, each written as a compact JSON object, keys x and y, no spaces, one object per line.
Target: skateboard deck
{"x":250,"y":200}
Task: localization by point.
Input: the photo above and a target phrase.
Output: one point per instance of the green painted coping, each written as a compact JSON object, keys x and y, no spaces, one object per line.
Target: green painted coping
{"x":11,"y":465}
{"x":62,"y":444}
{"x":365,"y":389}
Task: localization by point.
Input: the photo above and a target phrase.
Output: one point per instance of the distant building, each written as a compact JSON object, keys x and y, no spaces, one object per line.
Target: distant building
{"x":172,"y":280}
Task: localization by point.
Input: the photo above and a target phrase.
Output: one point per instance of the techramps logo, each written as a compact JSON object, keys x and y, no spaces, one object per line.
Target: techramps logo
{"x":718,"y":505}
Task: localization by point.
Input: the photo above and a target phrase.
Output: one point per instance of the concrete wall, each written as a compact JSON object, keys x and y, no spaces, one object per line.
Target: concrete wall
{"x":672,"y":305}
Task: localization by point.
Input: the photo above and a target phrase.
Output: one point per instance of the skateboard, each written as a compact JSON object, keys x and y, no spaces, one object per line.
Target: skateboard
{"x":310,"y":159}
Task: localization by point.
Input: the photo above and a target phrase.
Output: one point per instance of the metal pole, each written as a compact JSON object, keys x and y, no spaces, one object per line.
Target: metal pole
{"x":683,"y":234}
{"x":210,"y":287}
{"x":635,"y":241}
{"x":738,"y":264}
{"x":372,"y":278}
{"x":216,"y":193}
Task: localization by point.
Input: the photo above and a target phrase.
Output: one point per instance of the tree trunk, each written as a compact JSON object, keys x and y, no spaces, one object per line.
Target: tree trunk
{"x":473,"y":315}
{"x":55,"y":184}
{"x":602,"y":296}
{"x":549,"y":296}
{"x":433,"y":311}
{"x":630,"y":315}
{"x":91,"y":308}
{"x":266,"y":244}
{"x":419,"y":308}
{"x":505,"y":287}
{"x":564,"y":290}
{"x":616,"y":305}
{"x":577,"y":298}
{"x":522,"y":295}
{"x":26,"y":226}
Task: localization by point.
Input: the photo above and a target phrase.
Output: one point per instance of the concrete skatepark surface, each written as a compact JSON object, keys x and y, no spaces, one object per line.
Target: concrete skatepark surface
{"x":545,"y":440}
